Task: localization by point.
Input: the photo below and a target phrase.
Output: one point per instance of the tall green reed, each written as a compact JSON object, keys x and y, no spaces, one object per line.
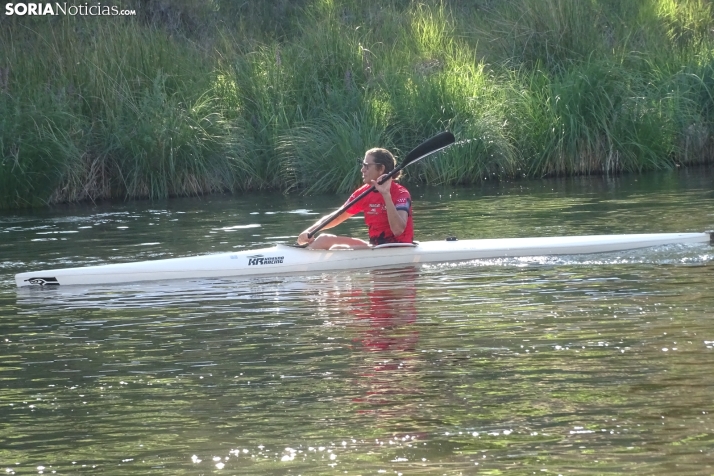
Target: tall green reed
{"x":40,"y":143}
{"x":189,"y":99}
{"x":550,"y":34}
{"x":596,"y":119}
{"x":163,"y":144}
{"x":325,"y":154}
{"x":137,"y":130}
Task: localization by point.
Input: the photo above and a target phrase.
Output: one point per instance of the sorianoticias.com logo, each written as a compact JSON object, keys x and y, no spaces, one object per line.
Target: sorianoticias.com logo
{"x":57,"y":8}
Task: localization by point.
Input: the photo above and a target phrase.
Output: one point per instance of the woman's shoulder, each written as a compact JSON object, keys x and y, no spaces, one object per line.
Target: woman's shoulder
{"x":399,"y":188}
{"x":360,"y":190}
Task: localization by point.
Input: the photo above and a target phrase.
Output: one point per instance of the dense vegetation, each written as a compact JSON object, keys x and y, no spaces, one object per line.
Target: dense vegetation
{"x":193,"y":97}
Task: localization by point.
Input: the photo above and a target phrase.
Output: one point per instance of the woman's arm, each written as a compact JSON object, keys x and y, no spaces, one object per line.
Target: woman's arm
{"x":397,"y":218}
{"x":302,"y":239}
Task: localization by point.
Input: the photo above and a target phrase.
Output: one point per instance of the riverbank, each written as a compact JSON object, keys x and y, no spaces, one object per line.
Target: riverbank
{"x":186,"y":99}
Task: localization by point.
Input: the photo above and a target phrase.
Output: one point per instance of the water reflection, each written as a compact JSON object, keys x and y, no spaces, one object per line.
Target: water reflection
{"x":385,"y":336}
{"x":596,"y":364}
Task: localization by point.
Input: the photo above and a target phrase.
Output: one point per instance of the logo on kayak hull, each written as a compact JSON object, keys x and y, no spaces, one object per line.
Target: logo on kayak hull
{"x":43,"y":281}
{"x":258,"y":260}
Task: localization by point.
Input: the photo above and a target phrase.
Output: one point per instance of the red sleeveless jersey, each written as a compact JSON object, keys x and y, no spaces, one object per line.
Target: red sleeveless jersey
{"x":375,"y":214}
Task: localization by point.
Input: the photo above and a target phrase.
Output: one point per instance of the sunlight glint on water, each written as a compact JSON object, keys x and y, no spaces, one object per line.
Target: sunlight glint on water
{"x":571,"y":364}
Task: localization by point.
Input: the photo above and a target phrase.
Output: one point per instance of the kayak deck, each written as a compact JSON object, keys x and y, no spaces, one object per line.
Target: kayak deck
{"x":284,"y":259}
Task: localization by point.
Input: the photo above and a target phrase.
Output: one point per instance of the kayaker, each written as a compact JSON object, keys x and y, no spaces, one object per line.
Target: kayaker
{"x":387,"y":210}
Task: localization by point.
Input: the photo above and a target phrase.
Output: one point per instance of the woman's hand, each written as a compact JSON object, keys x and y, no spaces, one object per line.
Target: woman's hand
{"x":303,"y":238}
{"x":384,"y":188}
{"x":397,"y":218}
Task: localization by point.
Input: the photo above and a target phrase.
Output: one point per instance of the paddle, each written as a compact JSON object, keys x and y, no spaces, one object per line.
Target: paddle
{"x":428,"y":147}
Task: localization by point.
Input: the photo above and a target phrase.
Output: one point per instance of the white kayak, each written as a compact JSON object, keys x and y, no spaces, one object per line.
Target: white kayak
{"x":285,"y":259}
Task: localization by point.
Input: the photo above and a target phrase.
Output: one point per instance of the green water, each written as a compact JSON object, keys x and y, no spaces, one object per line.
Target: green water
{"x":570,"y":365}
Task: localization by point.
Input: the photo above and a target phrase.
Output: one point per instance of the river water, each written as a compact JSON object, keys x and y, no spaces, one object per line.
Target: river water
{"x":572,"y":365}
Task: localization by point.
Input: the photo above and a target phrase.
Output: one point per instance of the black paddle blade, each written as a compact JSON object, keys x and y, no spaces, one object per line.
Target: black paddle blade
{"x":438,"y":142}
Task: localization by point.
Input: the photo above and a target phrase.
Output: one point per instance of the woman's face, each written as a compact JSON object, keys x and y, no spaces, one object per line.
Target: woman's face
{"x":370,"y":170}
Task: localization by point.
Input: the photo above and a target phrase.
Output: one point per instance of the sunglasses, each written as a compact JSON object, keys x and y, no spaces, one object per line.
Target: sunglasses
{"x":365,"y":164}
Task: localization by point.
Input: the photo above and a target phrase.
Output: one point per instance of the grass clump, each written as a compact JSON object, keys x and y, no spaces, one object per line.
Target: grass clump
{"x":186,"y":99}
{"x":40,"y":143}
{"x":596,"y":119}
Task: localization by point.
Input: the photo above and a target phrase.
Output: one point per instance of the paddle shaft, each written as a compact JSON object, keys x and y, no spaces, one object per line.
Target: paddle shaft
{"x":347,"y":205}
{"x":435,"y":144}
